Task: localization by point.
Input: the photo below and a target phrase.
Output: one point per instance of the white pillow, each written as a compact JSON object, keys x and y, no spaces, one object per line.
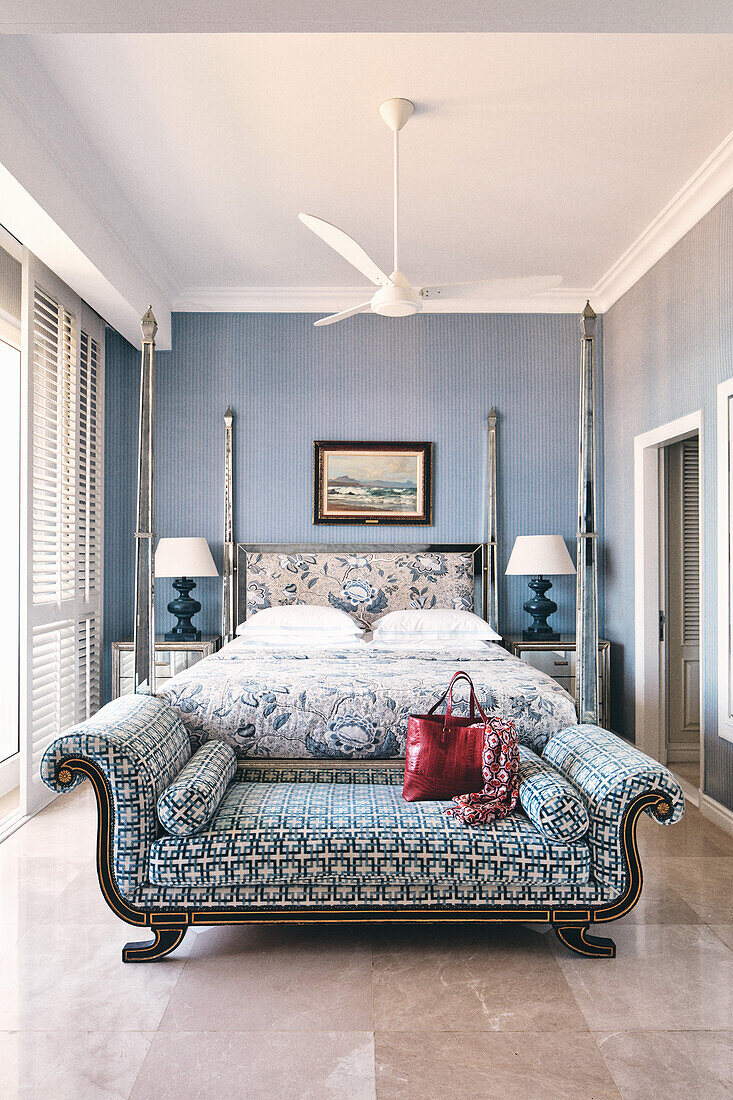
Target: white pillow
{"x":438,"y":641}
{"x":298,"y":617}
{"x":300,"y":639}
{"x":435,"y":620}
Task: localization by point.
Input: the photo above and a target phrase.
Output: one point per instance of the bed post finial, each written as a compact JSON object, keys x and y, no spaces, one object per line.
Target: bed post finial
{"x":586,"y":628}
{"x":588,"y":321}
{"x":144,"y":629}
{"x":148,"y":324}
{"x":491,"y":577}
{"x":228,"y":613}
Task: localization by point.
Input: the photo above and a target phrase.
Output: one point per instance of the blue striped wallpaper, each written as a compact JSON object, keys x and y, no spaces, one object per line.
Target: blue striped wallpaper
{"x":431,"y":377}
{"x":667,"y":344}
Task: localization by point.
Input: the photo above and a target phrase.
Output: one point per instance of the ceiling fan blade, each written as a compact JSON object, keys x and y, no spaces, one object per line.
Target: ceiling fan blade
{"x":493,"y":288}
{"x":347,"y":247}
{"x":334,"y":317}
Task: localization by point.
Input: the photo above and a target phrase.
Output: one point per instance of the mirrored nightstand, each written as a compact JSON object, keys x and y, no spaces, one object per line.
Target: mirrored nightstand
{"x":170,"y":659}
{"x":557,"y":659}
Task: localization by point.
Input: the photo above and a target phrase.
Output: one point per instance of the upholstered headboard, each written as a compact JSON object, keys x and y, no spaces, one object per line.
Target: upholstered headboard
{"x":365,"y":581}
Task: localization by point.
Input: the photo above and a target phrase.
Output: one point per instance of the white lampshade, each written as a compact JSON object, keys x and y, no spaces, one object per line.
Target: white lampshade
{"x":184,"y":558}
{"x":539,"y":556}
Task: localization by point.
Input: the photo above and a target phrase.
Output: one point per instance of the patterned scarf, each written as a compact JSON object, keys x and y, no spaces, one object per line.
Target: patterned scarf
{"x":500,"y":765}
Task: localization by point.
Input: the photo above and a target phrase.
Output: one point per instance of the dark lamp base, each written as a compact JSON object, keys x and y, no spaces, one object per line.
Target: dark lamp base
{"x":190,"y":636}
{"x":183,"y":608}
{"x":539,"y":607}
{"x":540,"y":636}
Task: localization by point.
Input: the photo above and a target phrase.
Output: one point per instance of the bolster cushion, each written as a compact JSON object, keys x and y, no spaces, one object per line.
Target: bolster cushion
{"x":549,"y":800}
{"x":193,"y":799}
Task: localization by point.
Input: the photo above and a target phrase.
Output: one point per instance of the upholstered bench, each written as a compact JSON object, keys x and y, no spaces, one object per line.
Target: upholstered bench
{"x":200,"y":839}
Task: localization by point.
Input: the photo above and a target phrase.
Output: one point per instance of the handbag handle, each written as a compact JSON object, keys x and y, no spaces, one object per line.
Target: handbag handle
{"x":460,"y":675}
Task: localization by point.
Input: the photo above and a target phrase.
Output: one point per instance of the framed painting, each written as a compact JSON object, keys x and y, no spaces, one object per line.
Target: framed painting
{"x":372,"y":483}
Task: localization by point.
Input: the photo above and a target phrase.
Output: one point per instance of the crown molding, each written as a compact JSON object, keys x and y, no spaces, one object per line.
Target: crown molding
{"x":328,"y":299}
{"x":710,"y":183}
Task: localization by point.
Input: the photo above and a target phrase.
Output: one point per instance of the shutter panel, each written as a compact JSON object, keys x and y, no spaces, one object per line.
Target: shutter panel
{"x":89,"y":530}
{"x":53,"y":435}
{"x":89,"y":667}
{"x":89,"y":547}
{"x":63,"y":403}
{"x":52,"y":692}
{"x":690,"y":543}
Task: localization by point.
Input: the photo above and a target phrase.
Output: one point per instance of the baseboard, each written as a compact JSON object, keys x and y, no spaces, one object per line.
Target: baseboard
{"x":690,"y":791}
{"x":11,"y":824}
{"x":717,"y":813}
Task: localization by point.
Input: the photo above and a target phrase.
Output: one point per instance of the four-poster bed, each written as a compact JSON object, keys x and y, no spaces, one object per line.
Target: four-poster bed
{"x":290,"y":806}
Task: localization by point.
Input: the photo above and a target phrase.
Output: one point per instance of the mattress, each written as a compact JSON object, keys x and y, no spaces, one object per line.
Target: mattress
{"x":352,"y":703}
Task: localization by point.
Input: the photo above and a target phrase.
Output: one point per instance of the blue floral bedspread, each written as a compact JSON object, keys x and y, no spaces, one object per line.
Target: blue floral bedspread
{"x":351,"y":704}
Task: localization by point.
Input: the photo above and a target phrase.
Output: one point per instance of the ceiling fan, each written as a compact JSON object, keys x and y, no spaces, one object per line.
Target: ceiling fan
{"x":396,"y":297}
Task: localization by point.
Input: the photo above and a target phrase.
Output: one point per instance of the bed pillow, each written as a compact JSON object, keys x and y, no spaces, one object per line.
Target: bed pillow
{"x":434,"y":620}
{"x":193,"y":798}
{"x":549,"y":800}
{"x":417,"y":641}
{"x":299,"y":617}
{"x":301,"y":639}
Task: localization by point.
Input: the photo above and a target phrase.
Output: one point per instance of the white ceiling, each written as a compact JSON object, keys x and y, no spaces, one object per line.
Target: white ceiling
{"x":528,"y":153}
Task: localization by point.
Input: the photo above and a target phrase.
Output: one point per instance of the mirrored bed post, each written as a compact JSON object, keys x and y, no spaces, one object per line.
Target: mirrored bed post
{"x":228,"y":624}
{"x":491,"y":582}
{"x":586,"y":629}
{"x":144,"y":631}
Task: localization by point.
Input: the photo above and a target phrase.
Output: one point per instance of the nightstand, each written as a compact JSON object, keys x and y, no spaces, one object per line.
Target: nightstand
{"x":170,"y":659}
{"x":557,"y":659}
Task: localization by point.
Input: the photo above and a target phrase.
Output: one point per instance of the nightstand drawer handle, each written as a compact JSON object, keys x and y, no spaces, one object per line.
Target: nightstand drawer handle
{"x":561,"y":662}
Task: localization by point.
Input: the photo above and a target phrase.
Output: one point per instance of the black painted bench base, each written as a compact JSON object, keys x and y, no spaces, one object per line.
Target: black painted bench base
{"x":168,"y":926}
{"x":574,"y":936}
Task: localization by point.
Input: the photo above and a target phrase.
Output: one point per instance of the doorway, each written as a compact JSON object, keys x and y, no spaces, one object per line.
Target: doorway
{"x":669,"y":640}
{"x":680,"y":606}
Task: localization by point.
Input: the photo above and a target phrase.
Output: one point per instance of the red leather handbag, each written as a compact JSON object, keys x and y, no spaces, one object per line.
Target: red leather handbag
{"x":444,"y":754}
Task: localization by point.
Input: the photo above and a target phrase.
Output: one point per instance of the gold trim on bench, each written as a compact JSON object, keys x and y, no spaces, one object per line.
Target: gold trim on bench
{"x":561,"y":917}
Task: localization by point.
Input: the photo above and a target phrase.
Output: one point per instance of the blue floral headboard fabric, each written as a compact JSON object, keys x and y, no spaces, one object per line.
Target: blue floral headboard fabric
{"x":365,"y":584}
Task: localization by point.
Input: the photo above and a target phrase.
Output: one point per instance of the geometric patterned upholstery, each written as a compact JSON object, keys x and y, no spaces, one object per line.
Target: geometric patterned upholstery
{"x":328,"y":892}
{"x":192,"y":799}
{"x":300,"y":834}
{"x":284,"y":833}
{"x":609,"y":773}
{"x":141,"y":745}
{"x":549,"y":800}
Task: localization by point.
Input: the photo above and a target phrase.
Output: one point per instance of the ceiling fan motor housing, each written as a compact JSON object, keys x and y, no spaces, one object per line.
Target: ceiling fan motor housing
{"x":398,"y":300}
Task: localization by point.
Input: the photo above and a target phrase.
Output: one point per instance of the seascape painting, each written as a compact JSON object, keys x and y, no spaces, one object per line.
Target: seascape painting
{"x":372,"y":482}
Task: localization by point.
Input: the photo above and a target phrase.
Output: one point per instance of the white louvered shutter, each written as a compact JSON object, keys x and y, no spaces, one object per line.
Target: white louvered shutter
{"x":62,"y":616}
{"x":690,"y":543}
{"x":89,"y":530}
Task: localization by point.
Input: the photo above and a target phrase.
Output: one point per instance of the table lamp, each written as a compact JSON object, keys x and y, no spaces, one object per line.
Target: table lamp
{"x":537,"y":556}
{"x":184,"y":559}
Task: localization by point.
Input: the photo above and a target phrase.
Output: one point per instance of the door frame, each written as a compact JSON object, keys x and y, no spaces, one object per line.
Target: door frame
{"x":10,"y":766}
{"x":649,"y":672}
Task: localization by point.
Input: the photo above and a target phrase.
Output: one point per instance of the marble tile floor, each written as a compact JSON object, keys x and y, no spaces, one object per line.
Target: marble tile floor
{"x":344,"y":1012}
